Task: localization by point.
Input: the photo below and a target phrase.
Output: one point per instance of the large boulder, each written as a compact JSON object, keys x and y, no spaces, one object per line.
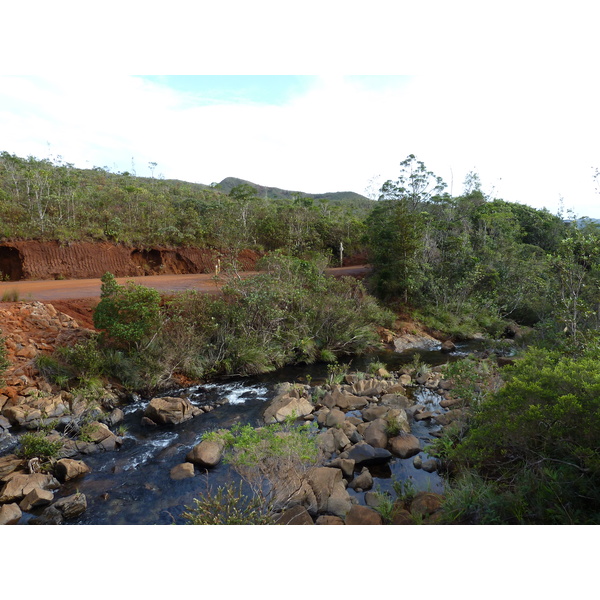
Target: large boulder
{"x":363,"y":515}
{"x":67,"y":469}
{"x":182,"y":471}
{"x":375,"y":433}
{"x":285,"y":406}
{"x":425,"y":504}
{"x":18,"y":485}
{"x":170,"y":411}
{"x":10,"y":514}
{"x":36,"y":497}
{"x":363,"y":482}
{"x":297,"y":515}
{"x":343,"y":400}
{"x":329,"y":490}
{"x":364,"y":454}
{"x":10,"y":463}
{"x":208,"y":453}
{"x":62,"y":510}
{"x":405,"y":446}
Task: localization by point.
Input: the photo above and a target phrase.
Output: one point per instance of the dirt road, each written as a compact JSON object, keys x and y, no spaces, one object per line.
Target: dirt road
{"x":49,"y":290}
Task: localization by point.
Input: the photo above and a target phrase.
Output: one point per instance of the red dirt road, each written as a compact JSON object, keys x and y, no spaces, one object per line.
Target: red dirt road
{"x":49,"y":290}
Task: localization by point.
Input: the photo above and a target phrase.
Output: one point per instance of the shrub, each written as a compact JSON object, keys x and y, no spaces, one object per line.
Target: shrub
{"x":130,"y":313}
{"x":4,"y":362}
{"x":36,"y":445}
{"x":536,"y":439}
{"x":227,"y":506}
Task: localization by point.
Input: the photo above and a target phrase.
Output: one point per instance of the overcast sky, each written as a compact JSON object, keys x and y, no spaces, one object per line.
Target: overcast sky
{"x":531,"y":139}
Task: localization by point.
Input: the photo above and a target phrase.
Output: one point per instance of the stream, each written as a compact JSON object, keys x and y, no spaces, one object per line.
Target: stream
{"x":132,"y":485}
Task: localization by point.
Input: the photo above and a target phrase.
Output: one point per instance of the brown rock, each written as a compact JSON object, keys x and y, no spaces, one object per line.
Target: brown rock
{"x":208,"y":453}
{"x":35,"y":498}
{"x":362,"y":515}
{"x":404,"y":446}
{"x":169,"y":410}
{"x":67,"y":469}
{"x":10,"y":463}
{"x":18,"y":485}
{"x":402,"y":517}
{"x":425,"y":504}
{"x":287,"y":405}
{"x":297,"y":515}
{"x":375,"y":434}
{"x":10,"y":514}
{"x":329,"y":520}
{"x":182,"y":471}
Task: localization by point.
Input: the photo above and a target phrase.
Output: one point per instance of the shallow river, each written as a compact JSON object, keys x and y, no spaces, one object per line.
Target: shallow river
{"x":132,"y":485}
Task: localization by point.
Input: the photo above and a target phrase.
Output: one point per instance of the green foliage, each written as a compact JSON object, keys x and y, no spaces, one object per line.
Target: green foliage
{"x":4,"y":362}
{"x":473,"y":381}
{"x":272,"y":459}
{"x":227,"y":506}
{"x":36,"y":445}
{"x":536,"y":439}
{"x":130,"y":313}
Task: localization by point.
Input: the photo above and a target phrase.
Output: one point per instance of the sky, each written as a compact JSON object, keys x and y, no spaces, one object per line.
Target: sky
{"x":531,"y":137}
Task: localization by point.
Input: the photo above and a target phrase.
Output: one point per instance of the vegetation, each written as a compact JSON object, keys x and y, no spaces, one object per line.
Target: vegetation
{"x":53,"y":200}
{"x":4,"y":362}
{"x":36,"y":445}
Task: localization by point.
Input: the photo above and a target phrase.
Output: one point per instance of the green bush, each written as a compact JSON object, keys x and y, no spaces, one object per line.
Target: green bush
{"x":129,"y":314}
{"x":536,"y":439}
{"x":4,"y":362}
{"x":36,"y":445}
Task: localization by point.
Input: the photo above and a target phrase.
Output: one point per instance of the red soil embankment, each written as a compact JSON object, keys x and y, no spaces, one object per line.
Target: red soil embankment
{"x":82,"y":260}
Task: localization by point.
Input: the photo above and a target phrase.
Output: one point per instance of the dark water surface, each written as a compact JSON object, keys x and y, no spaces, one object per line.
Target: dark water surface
{"x":132,"y":485}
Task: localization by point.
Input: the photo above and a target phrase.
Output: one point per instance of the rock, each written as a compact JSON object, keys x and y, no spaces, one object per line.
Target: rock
{"x":405,"y":379}
{"x":18,"y":485}
{"x":208,"y":453}
{"x":343,"y":400}
{"x":362,"y":515}
{"x":285,"y":406}
{"x":458,"y":414}
{"x":364,"y":454}
{"x":364,"y":481}
{"x":425,"y":504}
{"x":326,"y":442}
{"x":398,"y":420}
{"x":396,"y":401}
{"x":374,"y":412}
{"x":402,"y":517}
{"x":115,"y":417}
{"x":430,"y":465}
{"x":10,"y":463}
{"x":423,"y":415}
{"x":329,"y":520}
{"x":67,"y":469}
{"x":182,"y":471}
{"x":372,"y":499}
{"x":346,"y":466}
{"x":146,"y":422}
{"x":417,"y":462}
{"x":448,"y":347}
{"x":169,"y":410}
{"x":375,"y":434}
{"x":297,"y":515}
{"x":10,"y":514}
{"x":410,"y":341}
{"x":99,"y":434}
{"x":322,"y":416}
{"x":64,"y":509}
{"x":405,"y":446}
{"x":449,"y":402}
{"x":329,"y":490}
{"x":36,"y":497}
{"x":335,"y":417}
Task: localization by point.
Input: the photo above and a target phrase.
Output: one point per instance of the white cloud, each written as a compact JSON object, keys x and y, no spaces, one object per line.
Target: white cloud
{"x":531,"y":139}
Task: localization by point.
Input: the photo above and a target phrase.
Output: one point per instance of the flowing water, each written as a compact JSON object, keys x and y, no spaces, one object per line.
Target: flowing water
{"x":133,"y":486}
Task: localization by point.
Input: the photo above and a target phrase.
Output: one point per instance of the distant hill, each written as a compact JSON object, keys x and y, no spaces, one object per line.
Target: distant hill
{"x":273,"y":193}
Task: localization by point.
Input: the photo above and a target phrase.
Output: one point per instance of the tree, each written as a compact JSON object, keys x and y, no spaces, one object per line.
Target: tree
{"x":415,"y":184}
